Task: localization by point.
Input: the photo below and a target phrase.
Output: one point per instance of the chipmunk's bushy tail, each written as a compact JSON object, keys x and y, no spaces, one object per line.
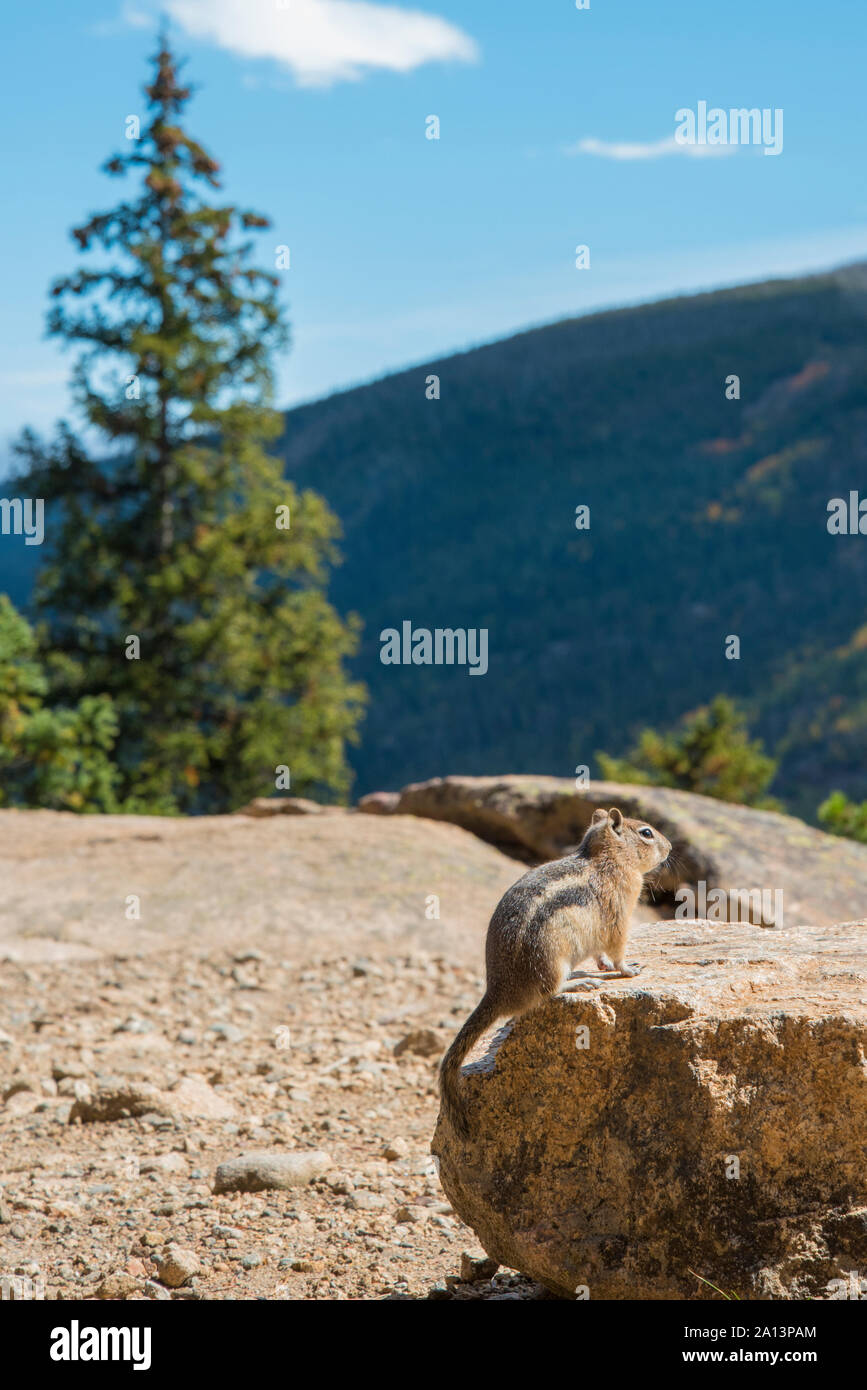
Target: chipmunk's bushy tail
{"x":484,"y":1014}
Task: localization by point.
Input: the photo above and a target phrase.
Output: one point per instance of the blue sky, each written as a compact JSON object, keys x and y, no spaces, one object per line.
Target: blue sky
{"x":556,"y":129}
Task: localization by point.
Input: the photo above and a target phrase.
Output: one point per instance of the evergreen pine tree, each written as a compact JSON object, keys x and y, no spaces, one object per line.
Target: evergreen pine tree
{"x":179,"y":530}
{"x":59,"y":759}
{"x":840,"y":816}
{"x":712,"y":753}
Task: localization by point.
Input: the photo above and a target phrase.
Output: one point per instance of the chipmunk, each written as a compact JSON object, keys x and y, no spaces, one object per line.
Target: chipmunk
{"x":553,"y":918}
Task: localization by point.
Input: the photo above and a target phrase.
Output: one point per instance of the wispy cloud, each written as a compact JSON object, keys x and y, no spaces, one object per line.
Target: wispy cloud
{"x":136,"y":18}
{"x":319,"y":41}
{"x":651,"y":149}
{"x":130,"y":17}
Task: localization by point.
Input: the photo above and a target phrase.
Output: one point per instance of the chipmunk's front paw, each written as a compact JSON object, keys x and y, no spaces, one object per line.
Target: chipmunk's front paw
{"x":628,"y":971}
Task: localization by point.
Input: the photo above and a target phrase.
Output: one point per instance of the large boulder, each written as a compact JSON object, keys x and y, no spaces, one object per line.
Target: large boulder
{"x":775,"y":859}
{"x":706,"y":1121}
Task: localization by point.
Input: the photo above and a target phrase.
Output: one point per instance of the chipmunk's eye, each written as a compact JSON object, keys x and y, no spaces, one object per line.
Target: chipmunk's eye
{"x":646,"y":832}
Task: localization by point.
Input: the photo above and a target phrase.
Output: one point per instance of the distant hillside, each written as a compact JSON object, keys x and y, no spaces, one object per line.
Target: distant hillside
{"x":18,"y":564}
{"x":708,"y":517}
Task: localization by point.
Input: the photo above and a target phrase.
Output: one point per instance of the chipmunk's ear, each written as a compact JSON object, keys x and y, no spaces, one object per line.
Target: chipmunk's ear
{"x":599,"y":816}
{"x":616,"y":819}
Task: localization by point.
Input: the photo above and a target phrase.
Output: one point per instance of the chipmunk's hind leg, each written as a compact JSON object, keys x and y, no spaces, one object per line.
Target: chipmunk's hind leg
{"x":578,"y":978}
{"x":575,"y":981}
{"x":580,"y":983}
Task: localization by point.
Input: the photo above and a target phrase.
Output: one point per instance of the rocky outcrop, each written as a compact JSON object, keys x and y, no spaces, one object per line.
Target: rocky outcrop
{"x":706,"y":1121}
{"x":768,"y":868}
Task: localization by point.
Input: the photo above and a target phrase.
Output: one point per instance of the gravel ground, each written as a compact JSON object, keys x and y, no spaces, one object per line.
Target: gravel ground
{"x":195,"y":1056}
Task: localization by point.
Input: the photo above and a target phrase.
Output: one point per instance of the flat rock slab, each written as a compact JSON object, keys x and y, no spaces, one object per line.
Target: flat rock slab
{"x":822,"y":878}
{"x":705,"y":1121}
{"x":206,"y":882}
{"x":263,"y":806}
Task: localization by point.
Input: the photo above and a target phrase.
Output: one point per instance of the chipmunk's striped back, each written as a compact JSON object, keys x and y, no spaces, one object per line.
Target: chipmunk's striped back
{"x":552,"y":919}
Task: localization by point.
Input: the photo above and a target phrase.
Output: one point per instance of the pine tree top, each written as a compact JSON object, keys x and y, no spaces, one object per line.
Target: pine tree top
{"x":181,"y":311}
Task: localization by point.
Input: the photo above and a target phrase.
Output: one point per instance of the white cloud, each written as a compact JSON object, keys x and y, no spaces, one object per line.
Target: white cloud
{"x":653,"y":149}
{"x":324,"y":41}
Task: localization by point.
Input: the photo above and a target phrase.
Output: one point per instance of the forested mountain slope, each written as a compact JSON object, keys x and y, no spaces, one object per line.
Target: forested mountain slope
{"x":708,"y":517}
